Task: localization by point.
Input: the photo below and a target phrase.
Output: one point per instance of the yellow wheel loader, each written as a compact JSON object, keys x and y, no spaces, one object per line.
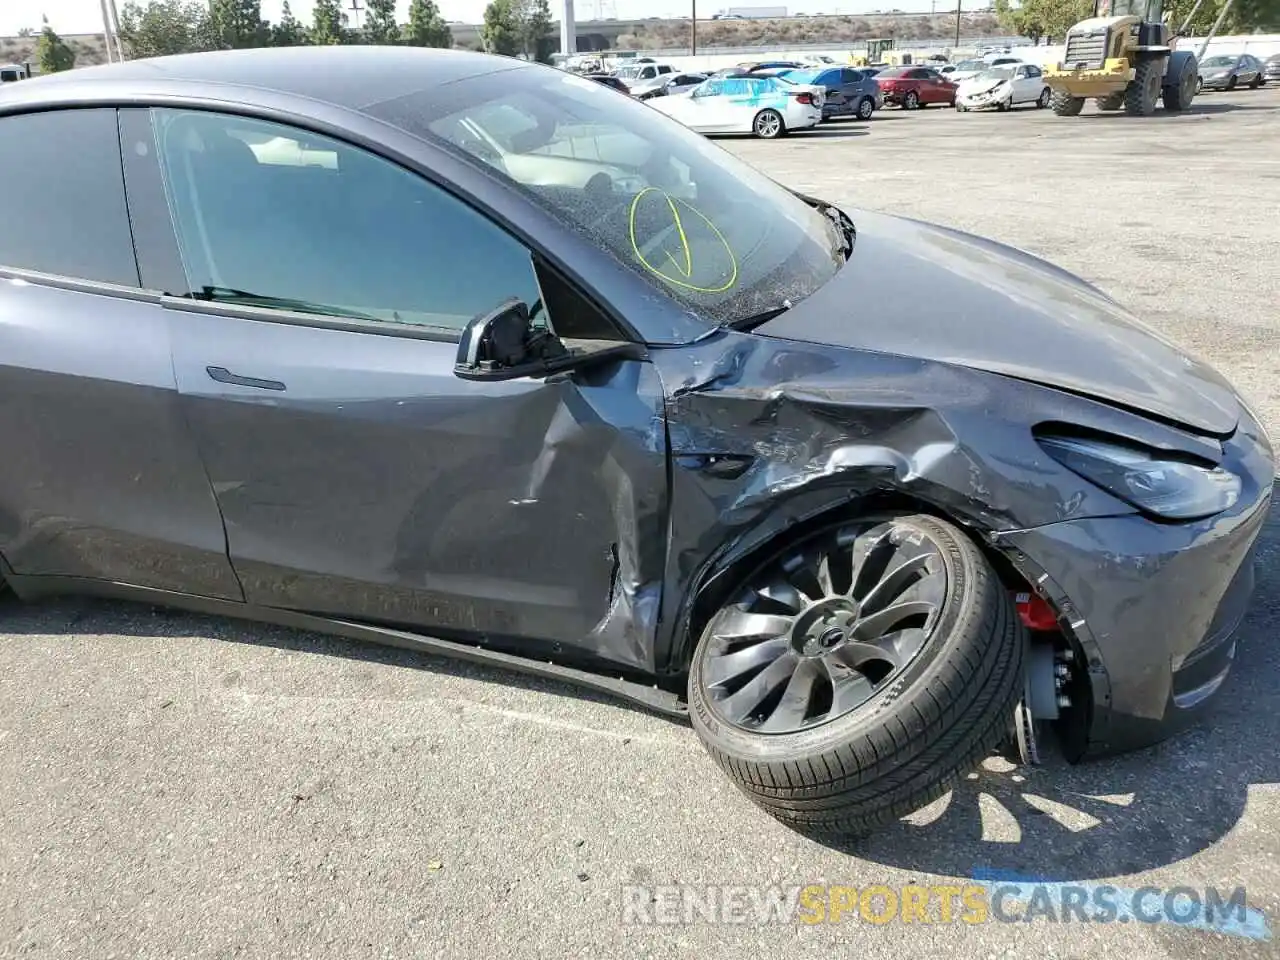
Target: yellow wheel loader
{"x":1124,"y":56}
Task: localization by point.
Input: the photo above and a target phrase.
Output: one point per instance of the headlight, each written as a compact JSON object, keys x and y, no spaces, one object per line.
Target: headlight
{"x":1174,"y":489}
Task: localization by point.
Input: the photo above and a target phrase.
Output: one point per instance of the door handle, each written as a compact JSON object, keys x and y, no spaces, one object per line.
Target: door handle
{"x":223,"y":375}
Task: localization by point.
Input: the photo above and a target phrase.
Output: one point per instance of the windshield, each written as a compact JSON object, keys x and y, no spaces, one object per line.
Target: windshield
{"x":994,"y":75}
{"x":629,"y":72}
{"x":1219,"y":62}
{"x":971,"y":65}
{"x":705,"y":227}
{"x":801,"y":76}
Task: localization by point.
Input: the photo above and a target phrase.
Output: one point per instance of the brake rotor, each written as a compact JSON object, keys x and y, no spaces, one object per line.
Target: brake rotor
{"x":1024,"y":728}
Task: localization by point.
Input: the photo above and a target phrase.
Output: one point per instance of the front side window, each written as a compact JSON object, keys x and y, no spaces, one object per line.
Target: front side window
{"x":709,"y":230}
{"x":62,"y":203}
{"x":270,"y":215}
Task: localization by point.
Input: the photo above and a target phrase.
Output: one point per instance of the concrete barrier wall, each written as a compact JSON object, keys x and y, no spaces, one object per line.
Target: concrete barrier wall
{"x":1260,"y":45}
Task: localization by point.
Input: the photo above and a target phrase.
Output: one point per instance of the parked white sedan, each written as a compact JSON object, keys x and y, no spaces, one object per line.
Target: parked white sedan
{"x":1003,"y":88}
{"x":769,"y":107}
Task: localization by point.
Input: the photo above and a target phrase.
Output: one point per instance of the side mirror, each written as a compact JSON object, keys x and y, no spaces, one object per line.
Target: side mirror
{"x":503,"y":345}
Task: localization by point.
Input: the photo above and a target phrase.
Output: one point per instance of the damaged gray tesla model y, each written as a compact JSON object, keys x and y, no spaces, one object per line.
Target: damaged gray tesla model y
{"x":477,"y":357}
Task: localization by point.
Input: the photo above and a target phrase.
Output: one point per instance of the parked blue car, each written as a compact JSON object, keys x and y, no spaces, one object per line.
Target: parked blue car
{"x":850,"y":93}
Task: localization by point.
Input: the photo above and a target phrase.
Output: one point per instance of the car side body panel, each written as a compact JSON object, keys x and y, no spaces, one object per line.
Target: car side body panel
{"x":377,"y":486}
{"x":102,"y":478}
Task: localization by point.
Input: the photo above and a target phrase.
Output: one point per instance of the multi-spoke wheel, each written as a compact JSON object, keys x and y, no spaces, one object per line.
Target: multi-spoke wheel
{"x":858,"y":672}
{"x":829,"y":625}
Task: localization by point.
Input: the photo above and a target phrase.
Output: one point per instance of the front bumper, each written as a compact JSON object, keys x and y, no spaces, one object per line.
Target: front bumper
{"x":1113,"y":75}
{"x":983,"y":101}
{"x":1153,"y":607}
{"x":1214,"y":83}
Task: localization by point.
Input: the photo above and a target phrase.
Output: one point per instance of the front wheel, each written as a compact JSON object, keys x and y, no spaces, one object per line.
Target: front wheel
{"x":1043,"y":100}
{"x":1256,"y":82}
{"x":1231,"y":83}
{"x":859,"y":673}
{"x":768,"y":125}
{"x":866,"y":107}
{"x":1065,"y":105}
{"x":1144,"y":90}
{"x":1178,"y":96}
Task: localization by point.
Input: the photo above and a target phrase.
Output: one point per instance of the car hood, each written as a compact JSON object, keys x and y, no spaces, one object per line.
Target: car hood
{"x":926,"y":291}
{"x":973,"y":86}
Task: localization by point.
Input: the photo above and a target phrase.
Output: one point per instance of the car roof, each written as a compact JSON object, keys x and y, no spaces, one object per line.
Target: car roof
{"x":350,"y":77}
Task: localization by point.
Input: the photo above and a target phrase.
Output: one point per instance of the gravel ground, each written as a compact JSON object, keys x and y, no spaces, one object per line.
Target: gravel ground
{"x":177,"y":786}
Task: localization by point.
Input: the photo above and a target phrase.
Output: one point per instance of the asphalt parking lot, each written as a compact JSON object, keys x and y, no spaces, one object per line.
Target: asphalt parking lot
{"x":186,"y":786}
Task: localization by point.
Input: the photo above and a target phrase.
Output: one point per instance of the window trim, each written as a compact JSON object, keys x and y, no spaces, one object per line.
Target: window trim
{"x":239,"y":311}
{"x":58,"y":281}
{"x":623,"y":331}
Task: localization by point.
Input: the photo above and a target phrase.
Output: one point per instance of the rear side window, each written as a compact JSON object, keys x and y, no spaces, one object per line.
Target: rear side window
{"x":62,"y":201}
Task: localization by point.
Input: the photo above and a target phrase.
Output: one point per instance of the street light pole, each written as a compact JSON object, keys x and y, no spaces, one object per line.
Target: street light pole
{"x":568,"y":30}
{"x":695,"y":28}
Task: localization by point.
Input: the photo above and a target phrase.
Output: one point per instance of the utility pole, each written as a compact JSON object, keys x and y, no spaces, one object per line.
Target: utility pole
{"x":1213,"y":30}
{"x":959,"y":4}
{"x":568,"y":30}
{"x":106,"y":32}
{"x":115,"y":28}
{"x":356,"y":10}
{"x":695,"y":28}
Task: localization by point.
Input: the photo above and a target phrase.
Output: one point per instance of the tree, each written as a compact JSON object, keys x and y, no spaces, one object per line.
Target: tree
{"x":501,"y":30}
{"x":238,"y":23}
{"x":289,"y":32}
{"x":25,"y":32}
{"x":426,"y":27}
{"x":535,"y":25}
{"x":1245,"y":16}
{"x":165,"y":27}
{"x":328,"y":24}
{"x":52,"y":52}
{"x":1039,"y":19}
{"x":380,"y":25}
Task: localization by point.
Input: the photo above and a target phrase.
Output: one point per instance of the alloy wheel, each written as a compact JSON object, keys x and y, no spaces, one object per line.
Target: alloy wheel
{"x":825,"y":628}
{"x":768,"y":124}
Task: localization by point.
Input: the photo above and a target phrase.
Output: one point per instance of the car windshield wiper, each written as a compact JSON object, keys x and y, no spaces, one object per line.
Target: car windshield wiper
{"x":214,"y":294}
{"x":756,"y":319}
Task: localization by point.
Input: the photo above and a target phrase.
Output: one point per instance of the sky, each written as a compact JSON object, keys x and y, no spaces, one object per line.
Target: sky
{"x":84,"y":16}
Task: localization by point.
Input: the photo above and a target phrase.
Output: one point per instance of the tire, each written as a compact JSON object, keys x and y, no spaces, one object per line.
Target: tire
{"x":1231,"y":83}
{"x":1199,"y":85}
{"x":1005,"y":105}
{"x":942,"y":709}
{"x":768,"y":125}
{"x":866,"y":107}
{"x":1256,"y":82}
{"x":1178,"y":96}
{"x":911,"y":101}
{"x":1042,"y":101}
{"x":1113,"y":102}
{"x":1065,"y":105}
{"x":1143,"y":91}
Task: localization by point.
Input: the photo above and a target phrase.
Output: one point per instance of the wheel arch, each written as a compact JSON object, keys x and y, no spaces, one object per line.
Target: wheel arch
{"x":718,"y":576}
{"x":713,"y":581}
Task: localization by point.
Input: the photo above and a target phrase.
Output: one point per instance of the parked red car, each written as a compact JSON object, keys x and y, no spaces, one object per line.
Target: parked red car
{"x":912,"y":87}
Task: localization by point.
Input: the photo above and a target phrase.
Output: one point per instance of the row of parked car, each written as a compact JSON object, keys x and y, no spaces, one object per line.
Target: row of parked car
{"x":773,"y":98}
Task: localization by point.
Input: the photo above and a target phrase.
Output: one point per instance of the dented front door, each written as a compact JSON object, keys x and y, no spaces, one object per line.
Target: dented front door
{"x":359,"y":478}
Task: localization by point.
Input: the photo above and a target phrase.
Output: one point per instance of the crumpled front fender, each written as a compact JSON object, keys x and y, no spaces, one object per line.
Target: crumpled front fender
{"x":767,"y":433}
